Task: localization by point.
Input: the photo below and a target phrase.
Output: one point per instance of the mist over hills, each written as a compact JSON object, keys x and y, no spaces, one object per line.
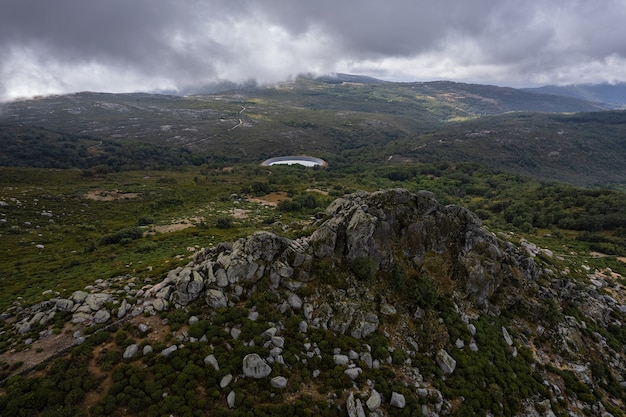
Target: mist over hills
{"x":606,"y":93}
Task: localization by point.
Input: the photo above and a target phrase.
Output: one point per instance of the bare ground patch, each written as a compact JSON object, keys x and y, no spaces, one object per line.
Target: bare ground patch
{"x":238,"y":213}
{"x":113,"y":195}
{"x":42,"y":349}
{"x":317,"y":190}
{"x":271,"y":199}
{"x":176,"y":225}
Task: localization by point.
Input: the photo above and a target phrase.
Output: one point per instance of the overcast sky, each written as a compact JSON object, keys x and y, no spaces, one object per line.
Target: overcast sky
{"x":61,"y":46}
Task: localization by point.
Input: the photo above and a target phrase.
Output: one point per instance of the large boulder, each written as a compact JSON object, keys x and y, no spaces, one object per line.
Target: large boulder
{"x":216,"y":298}
{"x":63,"y":304}
{"x":97,"y":300}
{"x":255,"y":367}
{"x":445,"y":361}
{"x":397,"y":400}
{"x":189,"y":286}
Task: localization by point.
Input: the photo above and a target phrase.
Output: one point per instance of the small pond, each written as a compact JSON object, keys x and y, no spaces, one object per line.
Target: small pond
{"x":307,"y":161}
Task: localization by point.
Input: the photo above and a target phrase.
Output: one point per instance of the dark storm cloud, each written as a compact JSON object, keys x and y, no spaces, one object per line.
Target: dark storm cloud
{"x":124,"y":45}
{"x":133,"y":32}
{"x":369,"y":27}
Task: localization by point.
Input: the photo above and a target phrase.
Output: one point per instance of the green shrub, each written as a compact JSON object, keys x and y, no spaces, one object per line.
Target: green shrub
{"x":224,"y":223}
{"x":364,"y":268}
{"x":122,"y":236}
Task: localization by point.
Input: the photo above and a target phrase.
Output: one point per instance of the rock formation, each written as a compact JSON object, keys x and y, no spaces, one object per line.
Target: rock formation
{"x":384,"y":228}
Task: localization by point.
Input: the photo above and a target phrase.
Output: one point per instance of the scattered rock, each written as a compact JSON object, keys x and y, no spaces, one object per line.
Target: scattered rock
{"x":225,"y":381}
{"x":210,"y":360}
{"x":124,"y":307}
{"x":24,"y":328}
{"x":388,"y":309}
{"x":507,"y":336}
{"x":445,"y":361}
{"x":341,"y":360}
{"x":130,"y":351}
{"x":353,"y":373}
{"x":63,"y":304}
{"x":294,"y":301}
{"x":168,"y":351}
{"x":374,"y":401}
{"x":397,"y":400}
{"x":230,"y":399}
{"x":160,"y":304}
{"x":101,"y":316}
{"x":96,"y":301}
{"x":351,"y":405}
{"x":216,"y":298}
{"x":79,"y":296}
{"x":279,"y":382}
{"x":255,"y":367}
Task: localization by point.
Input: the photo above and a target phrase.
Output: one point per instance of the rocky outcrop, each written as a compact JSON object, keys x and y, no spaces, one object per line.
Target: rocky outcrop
{"x":440,"y":240}
{"x":385,"y":228}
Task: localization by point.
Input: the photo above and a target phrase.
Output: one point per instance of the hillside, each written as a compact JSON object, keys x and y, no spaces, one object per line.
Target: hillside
{"x":337,"y":119}
{"x":394,"y":303}
{"x":587,"y":148}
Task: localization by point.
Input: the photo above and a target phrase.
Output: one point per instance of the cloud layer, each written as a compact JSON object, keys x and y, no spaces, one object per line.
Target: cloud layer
{"x":142,"y":45}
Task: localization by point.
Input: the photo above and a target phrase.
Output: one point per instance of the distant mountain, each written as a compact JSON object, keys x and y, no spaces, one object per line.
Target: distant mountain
{"x":339,"y":78}
{"x":609,"y":94}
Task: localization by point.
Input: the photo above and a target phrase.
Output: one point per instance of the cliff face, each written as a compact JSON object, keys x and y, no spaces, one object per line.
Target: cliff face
{"x":400,"y":302}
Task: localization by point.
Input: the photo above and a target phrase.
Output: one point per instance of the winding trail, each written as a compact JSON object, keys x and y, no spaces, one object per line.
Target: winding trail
{"x":237,"y":125}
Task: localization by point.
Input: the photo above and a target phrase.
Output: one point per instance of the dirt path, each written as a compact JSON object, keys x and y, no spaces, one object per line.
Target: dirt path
{"x":42,"y":349}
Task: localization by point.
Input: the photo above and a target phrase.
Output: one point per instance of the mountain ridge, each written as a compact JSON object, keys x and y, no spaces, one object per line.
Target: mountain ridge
{"x":333,"y":120}
{"x":611,"y":94}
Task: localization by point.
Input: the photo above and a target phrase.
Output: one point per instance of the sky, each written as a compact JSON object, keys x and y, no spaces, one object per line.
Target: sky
{"x":64,"y":46}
